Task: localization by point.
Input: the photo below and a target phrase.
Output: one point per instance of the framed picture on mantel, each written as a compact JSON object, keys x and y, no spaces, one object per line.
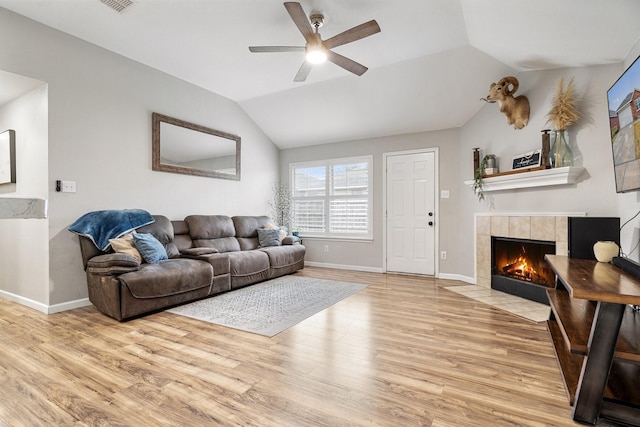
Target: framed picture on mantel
{"x":8,"y":157}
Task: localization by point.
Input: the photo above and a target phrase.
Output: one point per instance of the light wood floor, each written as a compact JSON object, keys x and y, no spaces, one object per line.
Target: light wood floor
{"x":402,"y":352}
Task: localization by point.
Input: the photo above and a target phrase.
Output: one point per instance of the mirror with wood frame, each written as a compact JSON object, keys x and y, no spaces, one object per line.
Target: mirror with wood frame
{"x":191,"y":149}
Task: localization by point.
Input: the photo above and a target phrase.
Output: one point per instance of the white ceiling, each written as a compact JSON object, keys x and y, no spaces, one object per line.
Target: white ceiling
{"x":428,"y":66}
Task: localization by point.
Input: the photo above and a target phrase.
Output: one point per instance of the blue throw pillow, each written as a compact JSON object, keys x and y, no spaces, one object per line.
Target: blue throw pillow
{"x":149,"y":247}
{"x":268,"y":237}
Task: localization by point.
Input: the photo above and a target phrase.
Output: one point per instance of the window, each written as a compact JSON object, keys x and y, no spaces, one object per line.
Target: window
{"x":332,"y":198}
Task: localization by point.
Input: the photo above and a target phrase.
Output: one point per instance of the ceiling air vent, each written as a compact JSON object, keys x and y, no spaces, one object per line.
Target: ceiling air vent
{"x":117,"y":5}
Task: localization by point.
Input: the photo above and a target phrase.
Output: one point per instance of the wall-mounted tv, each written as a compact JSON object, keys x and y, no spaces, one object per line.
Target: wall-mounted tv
{"x":624,"y":120}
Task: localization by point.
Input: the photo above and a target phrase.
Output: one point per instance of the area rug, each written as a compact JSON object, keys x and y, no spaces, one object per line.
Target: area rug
{"x":270,"y":307}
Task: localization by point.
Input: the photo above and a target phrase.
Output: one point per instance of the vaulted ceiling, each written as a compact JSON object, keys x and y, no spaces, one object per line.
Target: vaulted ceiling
{"x":428,"y":66}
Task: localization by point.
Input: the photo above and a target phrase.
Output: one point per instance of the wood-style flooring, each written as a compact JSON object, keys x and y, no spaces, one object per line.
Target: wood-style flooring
{"x":402,"y":352}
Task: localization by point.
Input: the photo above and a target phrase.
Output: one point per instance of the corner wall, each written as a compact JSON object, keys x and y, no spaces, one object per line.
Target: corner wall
{"x":595,"y":192}
{"x":100,"y":107}
{"x":24,"y":252}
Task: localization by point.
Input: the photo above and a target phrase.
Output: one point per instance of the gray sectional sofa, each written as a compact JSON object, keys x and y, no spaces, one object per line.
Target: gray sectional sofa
{"x":207,"y":255}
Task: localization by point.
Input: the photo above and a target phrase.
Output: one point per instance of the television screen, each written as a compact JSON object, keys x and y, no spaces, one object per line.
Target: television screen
{"x":624,"y":119}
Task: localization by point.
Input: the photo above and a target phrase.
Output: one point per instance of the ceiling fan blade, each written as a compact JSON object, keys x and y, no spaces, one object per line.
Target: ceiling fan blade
{"x":276,"y":48}
{"x":300,"y":19}
{"x":346,"y":63}
{"x":356,"y":33}
{"x":303,"y":72}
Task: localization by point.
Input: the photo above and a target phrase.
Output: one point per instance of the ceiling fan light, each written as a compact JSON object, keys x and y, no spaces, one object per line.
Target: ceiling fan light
{"x":316,"y":55}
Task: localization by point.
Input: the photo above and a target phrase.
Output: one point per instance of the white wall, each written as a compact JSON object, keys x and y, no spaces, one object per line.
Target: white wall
{"x":24,"y":249}
{"x":369,"y":255}
{"x":100,"y":107}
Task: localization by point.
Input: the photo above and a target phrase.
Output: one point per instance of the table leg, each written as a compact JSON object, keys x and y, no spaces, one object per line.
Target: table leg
{"x":597,"y":363}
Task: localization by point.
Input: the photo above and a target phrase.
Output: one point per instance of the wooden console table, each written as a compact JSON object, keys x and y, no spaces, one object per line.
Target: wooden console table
{"x":596,"y":336}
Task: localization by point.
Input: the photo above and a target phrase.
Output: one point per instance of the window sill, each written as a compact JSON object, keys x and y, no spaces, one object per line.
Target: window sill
{"x":339,"y":239}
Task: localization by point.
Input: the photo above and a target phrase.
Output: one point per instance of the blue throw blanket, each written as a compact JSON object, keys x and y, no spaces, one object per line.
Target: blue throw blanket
{"x":100,"y":226}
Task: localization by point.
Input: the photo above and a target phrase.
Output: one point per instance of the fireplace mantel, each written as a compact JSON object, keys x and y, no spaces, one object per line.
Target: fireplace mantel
{"x":541,"y":178}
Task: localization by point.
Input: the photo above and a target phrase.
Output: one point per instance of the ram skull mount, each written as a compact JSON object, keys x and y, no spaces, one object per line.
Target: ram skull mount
{"x":516,"y":109}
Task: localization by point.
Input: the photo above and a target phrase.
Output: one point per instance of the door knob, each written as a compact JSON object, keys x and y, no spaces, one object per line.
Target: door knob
{"x":430,"y":223}
{"x":430,"y":213}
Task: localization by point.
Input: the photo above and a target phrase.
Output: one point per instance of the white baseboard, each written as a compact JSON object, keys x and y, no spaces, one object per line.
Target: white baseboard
{"x":445,"y":276}
{"x":43,"y":308}
{"x":344,"y":267}
{"x":69,"y":305}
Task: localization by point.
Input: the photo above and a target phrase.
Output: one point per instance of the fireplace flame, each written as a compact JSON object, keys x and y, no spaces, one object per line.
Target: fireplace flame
{"x":520,"y":269}
{"x":522,"y":260}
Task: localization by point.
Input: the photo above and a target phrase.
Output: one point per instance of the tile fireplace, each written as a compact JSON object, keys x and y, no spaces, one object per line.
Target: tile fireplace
{"x":518,"y":266}
{"x":545,"y":228}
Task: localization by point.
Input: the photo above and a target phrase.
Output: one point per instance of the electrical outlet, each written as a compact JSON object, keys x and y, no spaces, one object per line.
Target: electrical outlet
{"x":326,"y":248}
{"x":444,"y":194}
{"x":443,"y":255}
{"x":68,"y":186}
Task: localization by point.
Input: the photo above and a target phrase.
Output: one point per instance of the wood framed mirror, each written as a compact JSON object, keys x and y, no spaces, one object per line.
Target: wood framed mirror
{"x":8,"y":157}
{"x":187,"y":148}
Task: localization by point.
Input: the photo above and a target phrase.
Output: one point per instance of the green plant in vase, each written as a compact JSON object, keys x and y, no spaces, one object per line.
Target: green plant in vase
{"x":478,"y":178}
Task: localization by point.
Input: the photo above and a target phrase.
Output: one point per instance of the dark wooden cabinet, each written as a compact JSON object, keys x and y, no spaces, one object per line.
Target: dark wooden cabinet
{"x":596,"y":336}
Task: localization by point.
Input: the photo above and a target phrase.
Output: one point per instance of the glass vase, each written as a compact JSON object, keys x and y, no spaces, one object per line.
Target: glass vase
{"x":562,"y":155}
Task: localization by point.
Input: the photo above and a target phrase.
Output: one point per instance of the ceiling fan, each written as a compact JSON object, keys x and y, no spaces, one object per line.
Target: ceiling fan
{"x":318,"y":50}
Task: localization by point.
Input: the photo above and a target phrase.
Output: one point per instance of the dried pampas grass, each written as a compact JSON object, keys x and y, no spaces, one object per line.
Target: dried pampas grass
{"x":564,"y":111}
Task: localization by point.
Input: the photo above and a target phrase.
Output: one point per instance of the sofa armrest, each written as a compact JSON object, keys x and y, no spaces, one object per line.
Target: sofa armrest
{"x":291,"y":240}
{"x":196,"y":252}
{"x":112,"y":264}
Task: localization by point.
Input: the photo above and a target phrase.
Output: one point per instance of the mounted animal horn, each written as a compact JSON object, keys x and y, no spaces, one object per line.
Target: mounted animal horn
{"x":507,"y":82}
{"x":516,"y":109}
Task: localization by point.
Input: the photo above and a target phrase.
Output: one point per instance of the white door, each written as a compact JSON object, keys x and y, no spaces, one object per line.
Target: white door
{"x":411,"y":213}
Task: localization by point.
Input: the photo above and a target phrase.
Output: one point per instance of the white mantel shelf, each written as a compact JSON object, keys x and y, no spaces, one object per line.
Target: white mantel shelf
{"x":539,"y":178}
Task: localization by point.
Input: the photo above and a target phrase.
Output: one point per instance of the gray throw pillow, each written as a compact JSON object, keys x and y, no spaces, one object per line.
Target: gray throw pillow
{"x":268,"y":237}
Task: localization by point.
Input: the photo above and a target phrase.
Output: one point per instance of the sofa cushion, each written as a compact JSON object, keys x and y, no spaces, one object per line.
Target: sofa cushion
{"x":223,"y":244}
{"x":247,"y":226}
{"x":247,"y":230}
{"x":168,"y":277}
{"x":248,"y":267}
{"x":284,"y":256}
{"x":150,"y":248}
{"x":202,"y":227}
{"x":246,"y":263}
{"x":268,"y":237}
{"x":112,"y":264}
{"x":212,"y":231}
